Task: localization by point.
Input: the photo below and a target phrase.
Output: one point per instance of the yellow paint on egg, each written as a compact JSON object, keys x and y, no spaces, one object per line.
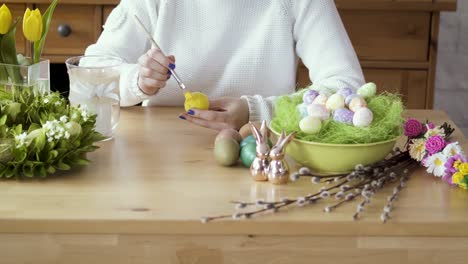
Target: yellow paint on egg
{"x":196,"y":100}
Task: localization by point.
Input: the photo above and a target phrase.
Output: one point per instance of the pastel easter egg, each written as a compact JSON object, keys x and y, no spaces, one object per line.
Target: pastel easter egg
{"x":318,"y":110}
{"x":343,"y":115}
{"x":345,"y":92}
{"x":248,"y":154}
{"x":363,"y":117}
{"x":229,"y":133}
{"x":302,"y":109}
{"x":226,"y":151}
{"x":310,"y":125}
{"x":368,"y":90}
{"x":335,"y":101}
{"x":309,"y":96}
{"x":357,"y":103}
{"x":321,"y":99}
{"x":349,"y":98}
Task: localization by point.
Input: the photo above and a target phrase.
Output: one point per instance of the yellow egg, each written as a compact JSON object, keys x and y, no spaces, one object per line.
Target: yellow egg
{"x":246,"y":131}
{"x":335,"y":101}
{"x":196,"y":100}
{"x":229,"y":133}
{"x":356,"y":103}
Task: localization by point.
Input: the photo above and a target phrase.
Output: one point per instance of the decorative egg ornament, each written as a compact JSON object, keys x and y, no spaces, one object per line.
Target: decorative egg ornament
{"x":310,"y":125}
{"x":363,"y":117}
{"x":318,"y":110}
{"x":309,"y":96}
{"x":335,"y":101}
{"x":349,"y":98}
{"x":321,"y":99}
{"x":357,"y":103}
{"x":196,"y":100}
{"x":345,"y":92}
{"x":303,"y":110}
{"x":367,"y":90}
{"x":343,"y":115}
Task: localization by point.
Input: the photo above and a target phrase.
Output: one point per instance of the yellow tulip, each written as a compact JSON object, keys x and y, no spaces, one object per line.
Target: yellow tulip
{"x":32,"y":24}
{"x":5,"y":19}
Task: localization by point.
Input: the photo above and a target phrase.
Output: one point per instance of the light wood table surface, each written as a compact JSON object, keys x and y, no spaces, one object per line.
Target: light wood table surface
{"x":141,"y":198}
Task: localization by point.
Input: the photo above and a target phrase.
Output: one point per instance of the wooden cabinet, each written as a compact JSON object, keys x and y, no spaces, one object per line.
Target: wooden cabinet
{"x":17,"y":10}
{"x":396,"y":40}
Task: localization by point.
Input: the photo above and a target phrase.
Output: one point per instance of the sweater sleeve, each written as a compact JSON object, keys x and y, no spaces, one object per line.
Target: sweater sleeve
{"x":324,"y":46}
{"x":123,"y":38}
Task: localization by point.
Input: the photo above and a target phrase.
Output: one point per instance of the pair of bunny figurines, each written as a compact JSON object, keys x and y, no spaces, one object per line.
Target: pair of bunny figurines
{"x":270,"y":165}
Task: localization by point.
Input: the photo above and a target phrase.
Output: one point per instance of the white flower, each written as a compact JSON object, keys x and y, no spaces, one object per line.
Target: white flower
{"x":435,"y":164}
{"x":436,"y":131}
{"x":74,"y":116}
{"x":67,"y":135}
{"x":452,"y":149}
{"x":417,"y":149}
{"x":68,"y":125}
{"x":20,"y":139}
{"x":58,"y":103}
{"x":46,"y":100}
{"x":63,"y":119}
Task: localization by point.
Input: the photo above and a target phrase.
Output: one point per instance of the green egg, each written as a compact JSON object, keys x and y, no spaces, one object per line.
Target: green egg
{"x":367,"y":90}
{"x":226,"y":151}
{"x":251,"y":140}
{"x":248,"y":154}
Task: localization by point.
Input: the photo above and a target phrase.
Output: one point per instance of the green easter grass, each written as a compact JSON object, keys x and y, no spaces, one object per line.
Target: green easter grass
{"x":387,"y":123}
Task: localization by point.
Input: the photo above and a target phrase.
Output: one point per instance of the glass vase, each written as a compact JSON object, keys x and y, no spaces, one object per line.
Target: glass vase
{"x":35,"y":77}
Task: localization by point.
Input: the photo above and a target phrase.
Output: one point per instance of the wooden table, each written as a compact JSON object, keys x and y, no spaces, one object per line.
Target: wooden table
{"x":141,"y":199}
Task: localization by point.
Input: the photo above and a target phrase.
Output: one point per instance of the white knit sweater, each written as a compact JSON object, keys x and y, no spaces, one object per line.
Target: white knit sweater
{"x":239,"y":48}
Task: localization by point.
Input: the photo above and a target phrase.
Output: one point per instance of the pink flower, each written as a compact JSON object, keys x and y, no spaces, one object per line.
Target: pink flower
{"x":451,"y":166}
{"x":435,"y":144}
{"x":431,"y":125}
{"x":413,"y":128}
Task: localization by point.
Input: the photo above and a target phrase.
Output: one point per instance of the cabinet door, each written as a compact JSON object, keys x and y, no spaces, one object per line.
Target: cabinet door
{"x":17,"y":10}
{"x":73,"y":28}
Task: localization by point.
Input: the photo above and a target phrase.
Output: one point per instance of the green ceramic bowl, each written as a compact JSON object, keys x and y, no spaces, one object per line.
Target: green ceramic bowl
{"x":337,"y":158}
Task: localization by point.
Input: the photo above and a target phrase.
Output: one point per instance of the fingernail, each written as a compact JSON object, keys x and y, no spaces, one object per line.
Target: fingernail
{"x":169,"y":72}
{"x":190,"y":112}
{"x":182,"y":117}
{"x":171,"y":65}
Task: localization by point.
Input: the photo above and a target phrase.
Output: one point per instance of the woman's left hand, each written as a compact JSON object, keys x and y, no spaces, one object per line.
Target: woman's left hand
{"x":226,"y":112}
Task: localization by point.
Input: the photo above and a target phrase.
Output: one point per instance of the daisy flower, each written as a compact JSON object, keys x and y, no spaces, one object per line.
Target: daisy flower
{"x":453,"y":149}
{"x":435,"y":164}
{"x":417,"y":149}
{"x":434,"y":131}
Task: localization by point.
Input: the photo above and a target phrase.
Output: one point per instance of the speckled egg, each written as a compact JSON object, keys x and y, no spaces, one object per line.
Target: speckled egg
{"x":345,"y":92}
{"x":302,"y":109}
{"x":321,"y":99}
{"x":343,"y":115}
{"x":368,"y":90}
{"x":363,"y":117}
{"x":349,"y":98}
{"x":309,"y":96}
{"x":357,"y":103}
{"x":318,"y":110}
{"x":310,"y":125}
{"x":334,"y":102}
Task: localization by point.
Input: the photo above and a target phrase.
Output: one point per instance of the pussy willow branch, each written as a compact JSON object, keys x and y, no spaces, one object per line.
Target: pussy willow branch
{"x":364,"y":181}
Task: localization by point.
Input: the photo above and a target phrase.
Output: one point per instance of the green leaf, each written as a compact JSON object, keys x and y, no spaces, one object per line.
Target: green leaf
{"x":8,"y":53}
{"x":28,"y":169}
{"x":46,"y":19}
{"x":19,"y":154}
{"x":82,"y":162}
{"x":13,"y":109}
{"x":3,"y":120}
{"x":51,"y":169}
{"x":62,"y":166}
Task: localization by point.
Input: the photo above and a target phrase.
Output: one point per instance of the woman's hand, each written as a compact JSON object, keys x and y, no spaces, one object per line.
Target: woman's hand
{"x":227,"y":112}
{"x":154,"y":71}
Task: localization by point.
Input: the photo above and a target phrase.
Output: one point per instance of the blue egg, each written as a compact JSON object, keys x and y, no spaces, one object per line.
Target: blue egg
{"x":343,"y":115}
{"x":302,"y":109}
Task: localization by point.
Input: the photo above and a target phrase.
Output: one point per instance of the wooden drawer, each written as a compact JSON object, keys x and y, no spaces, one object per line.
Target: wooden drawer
{"x":411,"y":84}
{"x":17,"y":10}
{"x":84,"y":21}
{"x":389,"y":35}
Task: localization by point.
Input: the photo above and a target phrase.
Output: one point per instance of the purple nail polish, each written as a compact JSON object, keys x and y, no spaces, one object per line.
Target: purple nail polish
{"x":190,"y":112}
{"x":182,"y":117}
{"x":171,"y":65}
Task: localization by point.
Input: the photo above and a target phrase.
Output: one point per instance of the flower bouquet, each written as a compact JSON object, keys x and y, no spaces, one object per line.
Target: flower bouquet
{"x":17,"y":71}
